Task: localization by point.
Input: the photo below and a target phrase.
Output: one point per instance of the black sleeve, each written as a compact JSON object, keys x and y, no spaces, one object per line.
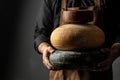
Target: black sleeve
{"x":112,"y":15}
{"x":117,"y":19}
{"x":44,"y":24}
{"x":117,"y":38}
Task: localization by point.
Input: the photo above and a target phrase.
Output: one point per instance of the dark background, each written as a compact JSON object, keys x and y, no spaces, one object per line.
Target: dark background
{"x":18,"y":60}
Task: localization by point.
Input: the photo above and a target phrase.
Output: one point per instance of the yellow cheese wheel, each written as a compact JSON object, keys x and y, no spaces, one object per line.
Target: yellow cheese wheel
{"x":74,"y":36}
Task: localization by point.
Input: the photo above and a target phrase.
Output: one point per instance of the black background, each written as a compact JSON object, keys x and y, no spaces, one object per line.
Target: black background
{"x":18,"y":60}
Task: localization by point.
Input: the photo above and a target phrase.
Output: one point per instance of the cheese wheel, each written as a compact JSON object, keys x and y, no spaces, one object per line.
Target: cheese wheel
{"x":74,"y":36}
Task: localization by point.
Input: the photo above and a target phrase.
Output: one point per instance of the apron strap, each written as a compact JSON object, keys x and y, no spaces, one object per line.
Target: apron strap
{"x":96,"y":12}
{"x":63,"y":7}
{"x":97,"y":3}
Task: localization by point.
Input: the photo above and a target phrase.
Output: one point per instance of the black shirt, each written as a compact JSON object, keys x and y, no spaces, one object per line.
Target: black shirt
{"x":49,"y":15}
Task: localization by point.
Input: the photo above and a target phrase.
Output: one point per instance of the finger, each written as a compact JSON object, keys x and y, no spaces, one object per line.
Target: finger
{"x":46,"y":60}
{"x":101,"y":68}
{"x":105,"y":50}
{"x":107,"y":67}
{"x":106,"y":62}
{"x":47,"y":64}
{"x":102,"y":63}
{"x":51,"y":50}
{"x":104,"y":68}
{"x":49,"y":67}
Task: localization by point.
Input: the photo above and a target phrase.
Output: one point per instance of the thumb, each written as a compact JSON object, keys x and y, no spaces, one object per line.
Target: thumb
{"x":105,"y":50}
{"x":51,"y":50}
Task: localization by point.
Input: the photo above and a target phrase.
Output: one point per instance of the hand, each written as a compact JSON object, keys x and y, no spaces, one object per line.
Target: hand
{"x":46,"y":50}
{"x":112,"y":53}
